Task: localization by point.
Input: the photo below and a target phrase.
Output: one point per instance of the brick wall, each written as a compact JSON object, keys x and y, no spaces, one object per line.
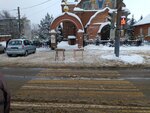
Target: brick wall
{"x":137,"y":30}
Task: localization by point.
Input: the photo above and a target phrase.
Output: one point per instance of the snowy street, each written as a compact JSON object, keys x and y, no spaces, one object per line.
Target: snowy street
{"x":93,"y":56}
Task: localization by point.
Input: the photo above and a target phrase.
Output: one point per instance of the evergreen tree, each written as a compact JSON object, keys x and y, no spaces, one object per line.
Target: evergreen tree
{"x":59,"y":33}
{"x":130,"y":28}
{"x":44,"y":27}
{"x":5,"y":15}
{"x":141,"y":17}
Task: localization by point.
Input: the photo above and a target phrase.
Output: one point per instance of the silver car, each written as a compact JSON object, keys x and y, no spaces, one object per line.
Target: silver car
{"x":20,"y":47}
{"x":2,"y":48}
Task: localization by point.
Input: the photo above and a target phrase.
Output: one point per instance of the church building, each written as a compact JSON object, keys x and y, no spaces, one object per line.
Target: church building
{"x":84,"y":20}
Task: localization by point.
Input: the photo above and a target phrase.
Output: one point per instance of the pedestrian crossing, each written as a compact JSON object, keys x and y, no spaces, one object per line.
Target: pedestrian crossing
{"x":80,"y":90}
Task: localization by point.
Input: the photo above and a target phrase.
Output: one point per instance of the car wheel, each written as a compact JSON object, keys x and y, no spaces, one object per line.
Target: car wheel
{"x":4,"y":50}
{"x":34,"y":51}
{"x":26,"y":53}
{"x":9,"y":55}
{"x":52,"y":48}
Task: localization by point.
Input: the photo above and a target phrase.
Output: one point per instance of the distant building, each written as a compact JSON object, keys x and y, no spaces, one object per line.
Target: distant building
{"x":87,"y":20}
{"x":9,"y":26}
{"x":142,"y":28}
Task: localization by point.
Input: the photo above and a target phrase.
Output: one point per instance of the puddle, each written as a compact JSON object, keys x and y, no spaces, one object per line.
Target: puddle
{"x":15,"y":77}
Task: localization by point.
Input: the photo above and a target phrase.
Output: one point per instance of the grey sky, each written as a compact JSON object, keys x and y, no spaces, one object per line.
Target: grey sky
{"x":35,"y":14}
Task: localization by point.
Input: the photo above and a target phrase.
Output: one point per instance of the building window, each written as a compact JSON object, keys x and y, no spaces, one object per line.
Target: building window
{"x":86,"y":5}
{"x":149,"y":31}
{"x":141,"y":31}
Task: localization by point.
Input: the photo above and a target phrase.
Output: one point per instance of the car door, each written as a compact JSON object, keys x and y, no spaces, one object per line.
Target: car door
{"x":27,"y":46}
{"x":31,"y":47}
{"x":1,"y":48}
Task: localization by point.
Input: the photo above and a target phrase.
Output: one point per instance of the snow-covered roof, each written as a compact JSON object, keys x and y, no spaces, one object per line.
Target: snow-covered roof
{"x":53,"y":31}
{"x":71,"y":2}
{"x":144,"y":21}
{"x":99,"y":11}
{"x":78,"y":9}
{"x":71,"y":37}
{"x":80,"y":31}
{"x":70,"y":14}
{"x":102,"y":25}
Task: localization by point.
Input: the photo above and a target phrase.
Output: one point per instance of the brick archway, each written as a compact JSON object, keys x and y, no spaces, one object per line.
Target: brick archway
{"x":75,"y":20}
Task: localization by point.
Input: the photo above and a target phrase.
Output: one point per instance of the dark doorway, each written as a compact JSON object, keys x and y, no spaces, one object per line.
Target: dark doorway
{"x":105,"y":33}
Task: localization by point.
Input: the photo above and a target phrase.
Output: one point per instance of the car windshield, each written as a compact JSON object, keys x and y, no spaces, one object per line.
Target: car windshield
{"x":15,"y":42}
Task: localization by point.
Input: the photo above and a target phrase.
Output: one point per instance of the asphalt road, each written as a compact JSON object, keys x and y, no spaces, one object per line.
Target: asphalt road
{"x":39,"y":90}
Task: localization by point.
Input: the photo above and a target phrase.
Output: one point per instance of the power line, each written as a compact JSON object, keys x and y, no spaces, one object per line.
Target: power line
{"x":37,"y":12}
{"x":35,"y":5}
{"x":31,"y":6}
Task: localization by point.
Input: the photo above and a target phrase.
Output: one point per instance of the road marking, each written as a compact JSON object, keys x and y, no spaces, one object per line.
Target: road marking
{"x":66,"y":105}
{"x":74,"y":88}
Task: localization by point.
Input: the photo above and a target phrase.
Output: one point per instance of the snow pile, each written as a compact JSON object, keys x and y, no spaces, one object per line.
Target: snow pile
{"x":127,"y":59}
{"x":100,"y":47}
{"x":42,"y":49}
{"x":132,"y":59}
{"x":66,"y":46}
{"x":128,"y":54}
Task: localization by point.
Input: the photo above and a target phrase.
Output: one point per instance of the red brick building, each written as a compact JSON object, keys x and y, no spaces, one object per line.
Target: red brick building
{"x":142,"y":28}
{"x":84,"y":19}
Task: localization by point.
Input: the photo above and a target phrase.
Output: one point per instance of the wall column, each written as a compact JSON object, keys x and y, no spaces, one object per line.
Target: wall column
{"x":53,"y":39}
{"x":80,"y":38}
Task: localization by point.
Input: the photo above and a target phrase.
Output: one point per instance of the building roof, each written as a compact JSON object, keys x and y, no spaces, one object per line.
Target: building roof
{"x":71,"y":2}
{"x":99,"y":11}
{"x":144,"y":21}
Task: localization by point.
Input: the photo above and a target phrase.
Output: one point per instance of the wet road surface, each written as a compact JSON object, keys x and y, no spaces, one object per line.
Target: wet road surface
{"x":38,"y":90}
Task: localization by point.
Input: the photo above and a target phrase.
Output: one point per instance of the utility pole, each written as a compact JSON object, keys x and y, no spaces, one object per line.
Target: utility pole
{"x":19,"y":21}
{"x":118,"y":27}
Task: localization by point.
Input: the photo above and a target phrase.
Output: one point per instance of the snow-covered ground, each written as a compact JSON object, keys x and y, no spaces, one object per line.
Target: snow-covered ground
{"x":98,"y":56}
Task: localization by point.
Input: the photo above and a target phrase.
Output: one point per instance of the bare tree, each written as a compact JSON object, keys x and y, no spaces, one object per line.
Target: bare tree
{"x":5,"y":15}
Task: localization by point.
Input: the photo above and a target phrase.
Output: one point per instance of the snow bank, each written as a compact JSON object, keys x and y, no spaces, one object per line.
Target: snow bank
{"x":66,"y":46}
{"x":42,"y":49}
{"x":128,"y":54}
{"x":127,"y":59}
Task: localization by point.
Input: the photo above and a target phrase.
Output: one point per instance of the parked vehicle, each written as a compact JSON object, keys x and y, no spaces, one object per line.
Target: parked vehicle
{"x":20,"y":47}
{"x":2,"y":48}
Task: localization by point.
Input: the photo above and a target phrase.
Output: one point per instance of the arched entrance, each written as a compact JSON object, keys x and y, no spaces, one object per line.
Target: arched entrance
{"x":74,"y":21}
{"x":105,"y":32}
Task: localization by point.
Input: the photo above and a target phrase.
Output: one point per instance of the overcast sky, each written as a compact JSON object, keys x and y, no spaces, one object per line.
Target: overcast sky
{"x":35,"y":14}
